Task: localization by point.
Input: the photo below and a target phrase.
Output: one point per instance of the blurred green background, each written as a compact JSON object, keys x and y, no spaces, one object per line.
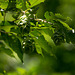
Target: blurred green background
{"x":62,"y":63}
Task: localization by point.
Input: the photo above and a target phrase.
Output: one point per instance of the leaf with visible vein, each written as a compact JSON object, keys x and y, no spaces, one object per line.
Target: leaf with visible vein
{"x":13,"y":43}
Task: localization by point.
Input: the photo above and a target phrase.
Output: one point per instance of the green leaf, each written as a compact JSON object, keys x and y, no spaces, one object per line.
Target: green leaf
{"x":38,"y":48}
{"x":4,"y":48}
{"x":21,"y":71}
{"x":47,"y":35}
{"x":1,"y":17}
{"x":9,"y":17}
{"x":65,"y":24}
{"x":52,"y":16}
{"x":31,"y":23}
{"x":3,"y":4}
{"x":7,"y":28}
{"x":35,"y":2}
{"x":21,"y":4}
{"x":47,"y":15}
{"x":48,"y":31}
{"x":27,"y":5}
{"x":41,"y":41}
{"x":59,"y":16}
{"x":13,"y":44}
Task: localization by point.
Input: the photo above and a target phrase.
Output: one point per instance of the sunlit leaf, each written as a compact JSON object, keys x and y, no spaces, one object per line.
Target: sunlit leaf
{"x":35,"y":2}
{"x":1,"y":18}
{"x":7,"y":28}
{"x":47,"y":15}
{"x":21,"y":4}
{"x":9,"y":17}
{"x":3,"y":4}
{"x":47,"y":37}
{"x":65,"y":24}
{"x":27,"y":5}
{"x":21,"y":71}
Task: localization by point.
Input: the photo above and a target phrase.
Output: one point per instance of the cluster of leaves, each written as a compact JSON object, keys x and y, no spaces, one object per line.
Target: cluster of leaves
{"x":21,"y":32}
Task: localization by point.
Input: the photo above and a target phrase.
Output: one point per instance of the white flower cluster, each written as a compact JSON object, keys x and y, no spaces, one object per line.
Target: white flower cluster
{"x":23,"y":19}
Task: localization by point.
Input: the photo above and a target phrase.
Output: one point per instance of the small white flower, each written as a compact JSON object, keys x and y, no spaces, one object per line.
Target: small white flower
{"x":45,"y":21}
{"x":30,"y":9}
{"x":34,"y":15}
{"x":22,"y":20}
{"x":36,"y":37}
{"x":23,"y":12}
{"x":21,"y":23}
{"x":22,"y":17}
{"x":49,"y":22}
{"x":25,"y":22}
{"x":25,"y":26}
{"x":2,"y":10}
{"x":28,"y":40}
{"x":29,"y":14}
{"x":25,"y":19}
{"x":41,"y":20}
{"x":23,"y":63}
{"x":73,"y":31}
{"x":24,"y":43}
{"x":23,"y":47}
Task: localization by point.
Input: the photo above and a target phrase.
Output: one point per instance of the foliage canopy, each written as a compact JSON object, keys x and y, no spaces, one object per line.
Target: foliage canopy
{"x":22,"y":32}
